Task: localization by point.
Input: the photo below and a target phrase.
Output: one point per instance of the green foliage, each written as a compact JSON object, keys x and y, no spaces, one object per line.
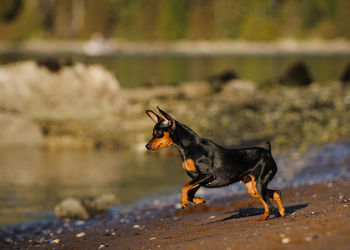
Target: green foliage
{"x":175,"y":19}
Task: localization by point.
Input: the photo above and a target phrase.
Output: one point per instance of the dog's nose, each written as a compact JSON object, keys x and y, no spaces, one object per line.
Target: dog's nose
{"x":147,"y":146}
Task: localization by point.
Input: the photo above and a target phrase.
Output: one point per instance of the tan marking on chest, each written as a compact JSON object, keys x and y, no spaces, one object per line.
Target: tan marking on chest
{"x":188,"y":165}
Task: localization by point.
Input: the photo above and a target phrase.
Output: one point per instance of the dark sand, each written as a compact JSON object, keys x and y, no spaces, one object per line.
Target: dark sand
{"x":318,"y":217}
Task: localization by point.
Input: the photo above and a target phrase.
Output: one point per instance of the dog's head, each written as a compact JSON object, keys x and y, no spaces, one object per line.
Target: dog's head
{"x":163,"y":131}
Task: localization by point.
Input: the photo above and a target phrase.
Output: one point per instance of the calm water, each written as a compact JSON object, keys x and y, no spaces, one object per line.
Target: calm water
{"x":135,"y":70}
{"x":33,"y":181}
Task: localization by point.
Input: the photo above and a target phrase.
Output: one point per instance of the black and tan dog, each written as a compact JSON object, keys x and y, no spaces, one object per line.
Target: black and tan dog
{"x":211,"y":165}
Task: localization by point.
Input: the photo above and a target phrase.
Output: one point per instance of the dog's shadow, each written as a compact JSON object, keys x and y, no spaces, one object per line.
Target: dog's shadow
{"x":252,"y":211}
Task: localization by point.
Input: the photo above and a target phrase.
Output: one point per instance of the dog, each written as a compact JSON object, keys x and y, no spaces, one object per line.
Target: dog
{"x":211,"y":165}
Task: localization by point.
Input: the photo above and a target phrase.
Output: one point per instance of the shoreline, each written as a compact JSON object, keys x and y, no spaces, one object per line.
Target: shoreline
{"x":182,"y":47}
{"x":318,"y":217}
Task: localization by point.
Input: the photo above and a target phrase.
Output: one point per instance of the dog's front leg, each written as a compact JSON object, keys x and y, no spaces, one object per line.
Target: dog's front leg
{"x":190,"y":187}
{"x":186,"y":189}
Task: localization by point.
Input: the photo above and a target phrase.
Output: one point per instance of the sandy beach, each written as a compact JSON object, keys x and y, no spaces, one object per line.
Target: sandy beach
{"x":318,"y":217}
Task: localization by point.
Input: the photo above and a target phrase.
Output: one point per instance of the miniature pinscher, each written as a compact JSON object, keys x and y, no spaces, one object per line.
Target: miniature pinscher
{"x":211,"y":165}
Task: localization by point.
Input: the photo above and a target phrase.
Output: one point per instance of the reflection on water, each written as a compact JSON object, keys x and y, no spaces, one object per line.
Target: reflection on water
{"x":33,"y":181}
{"x":133,"y":70}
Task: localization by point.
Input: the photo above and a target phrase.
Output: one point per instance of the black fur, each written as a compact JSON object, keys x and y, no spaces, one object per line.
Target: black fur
{"x":217,"y":166}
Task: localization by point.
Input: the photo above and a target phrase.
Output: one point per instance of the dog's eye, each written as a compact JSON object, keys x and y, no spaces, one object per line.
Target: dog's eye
{"x":158,"y":134}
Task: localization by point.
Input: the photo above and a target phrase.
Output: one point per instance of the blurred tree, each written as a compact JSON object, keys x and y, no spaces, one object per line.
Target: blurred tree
{"x":174,"y":19}
{"x":10,"y":9}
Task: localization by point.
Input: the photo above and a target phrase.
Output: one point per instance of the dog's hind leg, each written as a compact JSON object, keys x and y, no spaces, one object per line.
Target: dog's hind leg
{"x":261,"y":193}
{"x":251,"y":185}
{"x":277,"y":196}
{"x":273,"y":194}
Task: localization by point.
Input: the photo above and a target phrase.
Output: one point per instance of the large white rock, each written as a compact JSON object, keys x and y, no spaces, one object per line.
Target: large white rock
{"x":18,"y":131}
{"x":76,"y":91}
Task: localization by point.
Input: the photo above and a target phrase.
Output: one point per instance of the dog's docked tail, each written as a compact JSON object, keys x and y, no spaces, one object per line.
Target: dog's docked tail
{"x":268,"y":146}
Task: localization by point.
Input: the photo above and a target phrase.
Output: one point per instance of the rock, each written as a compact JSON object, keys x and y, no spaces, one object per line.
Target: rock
{"x":81,"y":234}
{"x":74,"y":208}
{"x":71,"y":208}
{"x":76,"y":91}
{"x":99,"y":204}
{"x":238,"y":88}
{"x":219,"y":80}
{"x":55,"y":241}
{"x":196,"y":89}
{"x":54,"y":64}
{"x":18,"y":131}
{"x":297,"y":74}
{"x":345,"y":78}
{"x":223,"y":77}
{"x":285,"y":240}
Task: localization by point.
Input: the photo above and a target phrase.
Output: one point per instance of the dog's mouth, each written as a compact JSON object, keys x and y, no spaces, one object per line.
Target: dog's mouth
{"x":158,"y":147}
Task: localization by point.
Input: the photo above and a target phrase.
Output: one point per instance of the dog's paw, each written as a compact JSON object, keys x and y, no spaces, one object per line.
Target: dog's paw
{"x":198,"y":200}
{"x":184,"y":203}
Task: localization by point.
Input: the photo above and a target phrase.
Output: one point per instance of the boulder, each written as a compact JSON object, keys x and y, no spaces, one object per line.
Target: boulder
{"x":196,"y":89}
{"x":71,"y":208}
{"x":74,"y":208}
{"x":18,"y":131}
{"x":345,"y":78}
{"x":76,"y":91}
{"x":297,"y":74}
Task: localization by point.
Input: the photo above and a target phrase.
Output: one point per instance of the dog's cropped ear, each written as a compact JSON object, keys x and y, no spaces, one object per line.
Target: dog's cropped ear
{"x":156,"y":118}
{"x":167,"y":118}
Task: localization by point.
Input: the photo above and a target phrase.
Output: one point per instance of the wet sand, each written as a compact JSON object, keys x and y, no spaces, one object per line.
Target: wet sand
{"x":318,"y":217}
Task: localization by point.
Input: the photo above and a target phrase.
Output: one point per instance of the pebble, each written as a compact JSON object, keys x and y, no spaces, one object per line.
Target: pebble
{"x":212,"y":217}
{"x":310,"y":237}
{"x":136,"y":226}
{"x":55,"y":241}
{"x":81,"y":234}
{"x":152,"y":238}
{"x":79,"y":223}
{"x":8,"y":240}
{"x":102,"y":246}
{"x":285,"y":240}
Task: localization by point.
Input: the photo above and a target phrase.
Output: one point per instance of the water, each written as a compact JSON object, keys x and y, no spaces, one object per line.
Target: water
{"x":136,"y":70}
{"x":33,"y":181}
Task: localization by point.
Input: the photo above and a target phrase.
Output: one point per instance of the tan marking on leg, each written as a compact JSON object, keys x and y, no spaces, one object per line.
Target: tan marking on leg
{"x":278,"y":198}
{"x":267,"y":212}
{"x":195,"y":200}
{"x":188,"y":165}
{"x":198,"y":200}
{"x":184,"y":195}
{"x":249,"y":185}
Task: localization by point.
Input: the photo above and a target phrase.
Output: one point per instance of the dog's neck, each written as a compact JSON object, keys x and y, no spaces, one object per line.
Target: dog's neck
{"x":184,"y":138}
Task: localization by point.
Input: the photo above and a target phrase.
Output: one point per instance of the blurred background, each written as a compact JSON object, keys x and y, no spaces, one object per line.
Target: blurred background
{"x":77,"y":75}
